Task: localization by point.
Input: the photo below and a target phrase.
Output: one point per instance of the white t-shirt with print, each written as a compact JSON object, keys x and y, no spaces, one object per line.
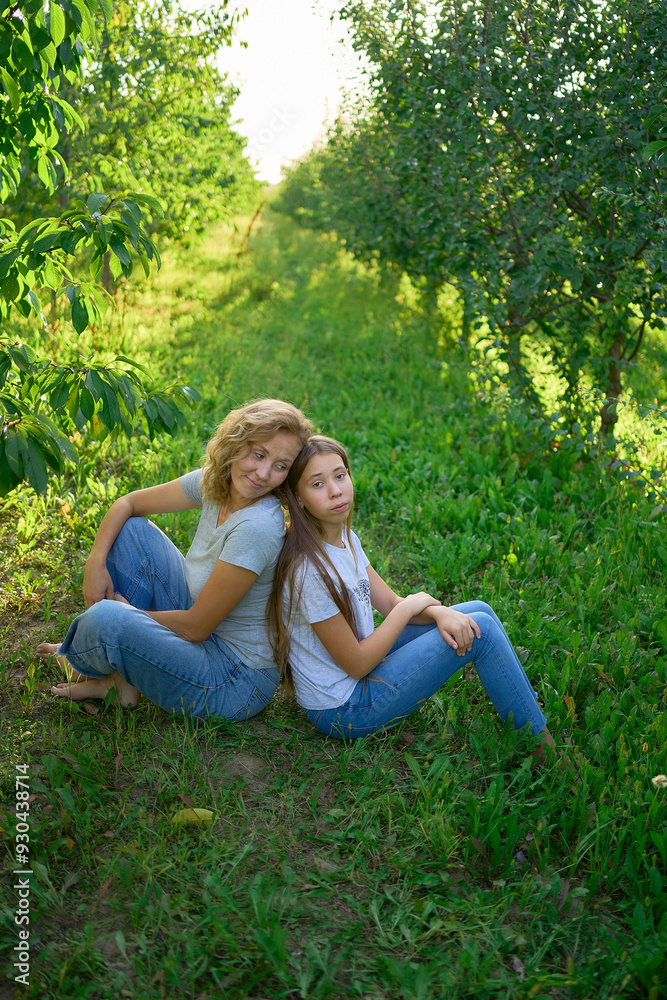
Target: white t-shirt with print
{"x":318,"y":680}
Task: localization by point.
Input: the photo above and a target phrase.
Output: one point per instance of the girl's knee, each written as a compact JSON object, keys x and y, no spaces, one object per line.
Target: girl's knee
{"x":488,"y":625}
{"x":480,"y":607}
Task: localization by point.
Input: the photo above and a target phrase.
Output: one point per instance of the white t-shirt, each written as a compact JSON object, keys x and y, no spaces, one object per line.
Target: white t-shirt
{"x":251,"y":538}
{"x":318,"y":680}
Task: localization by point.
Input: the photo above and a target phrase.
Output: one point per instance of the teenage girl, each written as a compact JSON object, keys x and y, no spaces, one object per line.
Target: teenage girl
{"x":350,"y":678}
{"x":190,"y":633}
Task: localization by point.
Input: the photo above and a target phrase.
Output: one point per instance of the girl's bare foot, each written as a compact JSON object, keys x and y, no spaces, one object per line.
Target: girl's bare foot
{"x":546,"y":754}
{"x":46,"y":650}
{"x":93,"y":687}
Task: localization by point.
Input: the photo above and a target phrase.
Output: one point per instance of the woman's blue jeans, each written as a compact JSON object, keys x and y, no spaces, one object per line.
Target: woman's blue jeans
{"x":191,"y":678}
{"x":418,"y":665}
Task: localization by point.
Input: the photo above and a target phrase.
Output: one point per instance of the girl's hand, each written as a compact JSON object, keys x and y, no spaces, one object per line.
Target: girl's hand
{"x":458,"y":630}
{"x":416,"y":603}
{"x":97,"y":584}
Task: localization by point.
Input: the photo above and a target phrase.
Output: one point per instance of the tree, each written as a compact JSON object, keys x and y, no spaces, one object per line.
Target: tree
{"x":44,"y":50}
{"x":500,"y":149}
{"x":157,"y":116}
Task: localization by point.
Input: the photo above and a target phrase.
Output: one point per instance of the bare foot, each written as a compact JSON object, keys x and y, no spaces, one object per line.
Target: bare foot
{"x":93,"y":687}
{"x":46,"y":650}
{"x":546,"y":754}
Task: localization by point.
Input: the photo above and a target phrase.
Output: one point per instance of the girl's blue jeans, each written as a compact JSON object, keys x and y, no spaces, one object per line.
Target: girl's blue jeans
{"x":419,"y":664}
{"x":193,"y":678}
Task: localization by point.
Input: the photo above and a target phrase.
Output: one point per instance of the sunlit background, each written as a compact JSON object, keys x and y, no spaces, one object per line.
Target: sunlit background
{"x":291,"y":77}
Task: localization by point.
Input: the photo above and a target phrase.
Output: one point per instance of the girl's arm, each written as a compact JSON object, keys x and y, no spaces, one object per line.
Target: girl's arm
{"x":358,"y":658}
{"x":166,"y":498}
{"x":458,"y":630}
{"x":383,"y":597}
{"x":223,"y":590}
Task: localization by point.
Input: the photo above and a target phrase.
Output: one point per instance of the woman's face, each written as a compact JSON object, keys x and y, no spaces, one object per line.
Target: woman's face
{"x":262,"y":465}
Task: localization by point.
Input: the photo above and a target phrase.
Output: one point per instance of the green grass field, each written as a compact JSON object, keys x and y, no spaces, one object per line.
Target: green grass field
{"x":428,"y":862}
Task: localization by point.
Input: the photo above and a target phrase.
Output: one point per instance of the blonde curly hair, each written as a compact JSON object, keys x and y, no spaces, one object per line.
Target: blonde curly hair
{"x":258,"y":420}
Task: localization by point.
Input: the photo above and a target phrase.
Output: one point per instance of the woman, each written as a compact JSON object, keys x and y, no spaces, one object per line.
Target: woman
{"x":190,"y":633}
{"x":351,"y":678}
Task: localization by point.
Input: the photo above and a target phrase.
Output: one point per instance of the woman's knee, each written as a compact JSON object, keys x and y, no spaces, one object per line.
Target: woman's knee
{"x":134,"y":532}
{"x":104,"y":620}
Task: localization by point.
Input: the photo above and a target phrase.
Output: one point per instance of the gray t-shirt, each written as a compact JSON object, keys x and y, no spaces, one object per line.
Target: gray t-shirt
{"x":318,"y":680}
{"x":251,"y":538}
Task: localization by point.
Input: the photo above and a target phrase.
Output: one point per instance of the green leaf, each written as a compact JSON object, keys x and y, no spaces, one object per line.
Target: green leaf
{"x":145,"y":264}
{"x":115,"y":266}
{"x":96,"y":202}
{"x":134,"y":364}
{"x":44,"y":173}
{"x":34,"y":465}
{"x":106,"y":7}
{"x":94,"y":383}
{"x":13,"y":92}
{"x":79,"y":315}
{"x":51,"y":275}
{"x":149,"y":200}
{"x":71,"y":116}
{"x":50,"y":53}
{"x":657,"y":146}
{"x":60,"y":394}
{"x":133,"y":209}
{"x":12,"y":452}
{"x":87,"y":404}
{"x":655,"y":113}
{"x":120,"y":251}
{"x":56,"y":22}
{"x":128,"y":219}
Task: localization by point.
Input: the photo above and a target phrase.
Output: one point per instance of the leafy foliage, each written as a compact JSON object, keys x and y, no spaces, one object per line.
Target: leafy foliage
{"x":500,"y":150}
{"x":147,"y":104}
{"x":157,"y":116}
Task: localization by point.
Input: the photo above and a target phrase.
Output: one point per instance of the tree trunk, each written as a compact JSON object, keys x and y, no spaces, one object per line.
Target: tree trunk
{"x":608,"y":412}
{"x":466,"y":327}
{"x":519,"y":378}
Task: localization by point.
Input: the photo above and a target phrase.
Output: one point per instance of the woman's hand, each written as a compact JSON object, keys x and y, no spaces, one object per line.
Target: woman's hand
{"x":166,"y":498}
{"x":458,"y":630}
{"x":97,"y":584}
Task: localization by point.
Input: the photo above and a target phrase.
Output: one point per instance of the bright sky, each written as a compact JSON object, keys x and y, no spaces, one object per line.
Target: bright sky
{"x":290,"y":77}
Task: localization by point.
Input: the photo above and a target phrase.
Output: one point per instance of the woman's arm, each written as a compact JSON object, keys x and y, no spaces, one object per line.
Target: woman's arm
{"x":358,"y":658}
{"x":223,"y":590}
{"x":166,"y":498}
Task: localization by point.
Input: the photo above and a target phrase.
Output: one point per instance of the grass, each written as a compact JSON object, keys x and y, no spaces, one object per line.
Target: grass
{"x":426,"y":862}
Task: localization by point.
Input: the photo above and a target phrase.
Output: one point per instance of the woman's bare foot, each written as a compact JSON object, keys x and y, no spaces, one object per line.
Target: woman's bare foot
{"x":46,"y":650}
{"x":93,"y":687}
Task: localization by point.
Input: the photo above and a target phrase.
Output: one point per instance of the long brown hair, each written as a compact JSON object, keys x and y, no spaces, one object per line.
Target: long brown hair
{"x":258,"y":420}
{"x":304,"y":542}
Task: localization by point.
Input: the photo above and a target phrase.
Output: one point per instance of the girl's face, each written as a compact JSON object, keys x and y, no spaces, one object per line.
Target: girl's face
{"x":260,"y":466}
{"x":325,"y":490}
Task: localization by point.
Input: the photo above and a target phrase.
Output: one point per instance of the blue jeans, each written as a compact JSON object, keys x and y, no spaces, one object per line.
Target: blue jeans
{"x":192,"y":678}
{"x":418,"y":665}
